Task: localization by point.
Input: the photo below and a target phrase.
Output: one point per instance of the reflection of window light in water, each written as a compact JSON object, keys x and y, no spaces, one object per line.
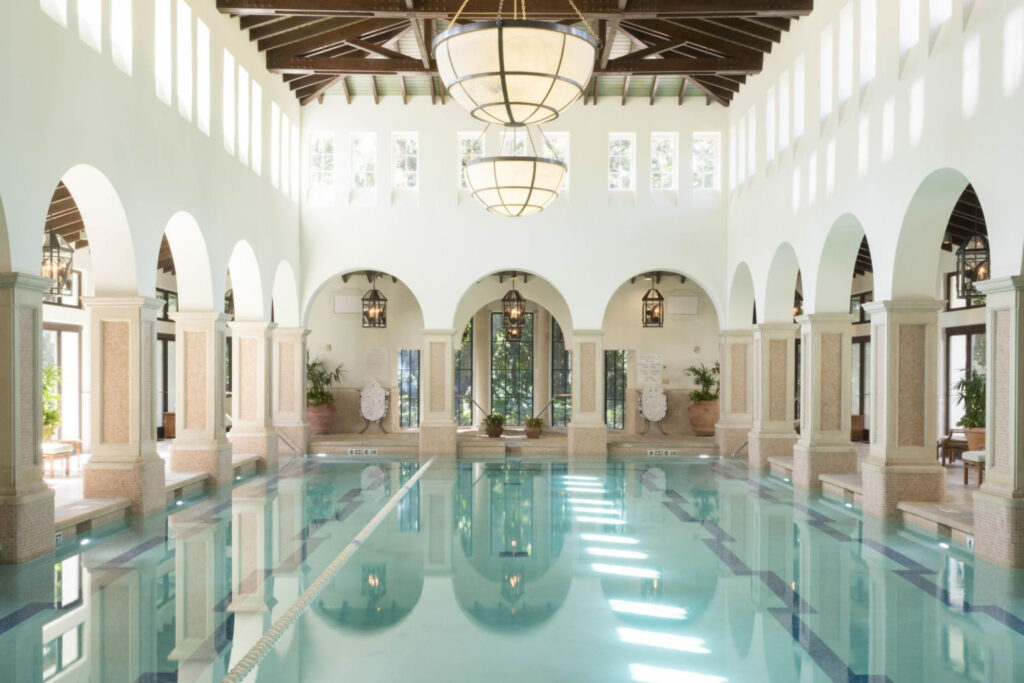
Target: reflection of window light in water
{"x":646,"y":609}
{"x":594,"y":511}
{"x":656,"y":674}
{"x":599,"y":520}
{"x":617,"y":553}
{"x":603,"y":538}
{"x":623,"y":570}
{"x":584,"y":501}
{"x":581,"y":489}
{"x":667,"y":641}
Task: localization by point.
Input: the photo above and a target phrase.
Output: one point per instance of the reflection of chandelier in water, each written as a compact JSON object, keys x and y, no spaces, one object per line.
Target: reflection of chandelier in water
{"x":513,"y":584}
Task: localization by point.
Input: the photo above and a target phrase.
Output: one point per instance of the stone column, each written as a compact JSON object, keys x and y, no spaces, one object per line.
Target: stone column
{"x":542,"y":365}
{"x":199,"y":560}
{"x":481,"y":365}
{"x":250,"y":546}
{"x":437,"y":424}
{"x":736,"y":350}
{"x":772,"y":433}
{"x":289,"y":401}
{"x":26,"y":502}
{"x":588,"y":434}
{"x":201,"y":444}
{"x":252,"y":429}
{"x":825,"y":353}
{"x":902,"y":465}
{"x":124,"y":463}
{"x":999,"y":505}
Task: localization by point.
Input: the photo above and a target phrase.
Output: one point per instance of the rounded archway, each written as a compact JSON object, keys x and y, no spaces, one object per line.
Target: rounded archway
{"x":780,"y":284}
{"x":742,"y":313}
{"x":245,"y":286}
{"x":183,"y":255}
{"x":5,"y":244}
{"x":285,"y":296}
{"x":845,"y":256}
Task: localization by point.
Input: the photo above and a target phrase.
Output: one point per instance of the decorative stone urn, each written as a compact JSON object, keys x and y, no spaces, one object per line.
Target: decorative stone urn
{"x":703,"y":416}
{"x":975,"y":438}
{"x":321,"y":418}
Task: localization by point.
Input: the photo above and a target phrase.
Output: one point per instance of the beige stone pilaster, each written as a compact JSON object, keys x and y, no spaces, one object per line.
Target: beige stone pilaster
{"x":201,"y":444}
{"x":124,"y":463}
{"x":999,"y":505}
{"x":199,"y":561}
{"x":902,"y":465}
{"x":437,"y":420}
{"x":481,"y":365}
{"x":26,"y":502}
{"x":772,"y":432}
{"x":289,"y":400}
{"x":251,"y":522}
{"x":542,"y":365}
{"x":735,"y":402}
{"x":825,"y":355}
{"x":252,"y":428}
{"x":588,"y":434}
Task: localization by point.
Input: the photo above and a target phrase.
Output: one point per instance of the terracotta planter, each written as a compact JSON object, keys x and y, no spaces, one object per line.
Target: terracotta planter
{"x":703,"y":416}
{"x":494,"y":431}
{"x":975,"y":438}
{"x":321,"y":418}
{"x":534,"y":432}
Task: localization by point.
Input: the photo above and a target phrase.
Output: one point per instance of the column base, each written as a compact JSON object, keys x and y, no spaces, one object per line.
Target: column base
{"x":212,"y":457}
{"x":26,"y":526}
{"x":297,"y":434}
{"x":141,"y":481}
{"x":999,"y":529}
{"x":886,"y":485}
{"x":262,"y":443}
{"x":764,"y":445}
{"x":588,"y":440}
{"x":438,"y":440}
{"x":810,"y":461}
{"x":730,"y":438}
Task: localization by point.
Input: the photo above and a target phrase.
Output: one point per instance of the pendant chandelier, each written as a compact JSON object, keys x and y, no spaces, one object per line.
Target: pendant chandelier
{"x":653,"y":308}
{"x":375,"y":307}
{"x":515,"y":184}
{"x":513,"y":313}
{"x":515,"y":71}
{"x":972,"y":265}
{"x":58,"y":263}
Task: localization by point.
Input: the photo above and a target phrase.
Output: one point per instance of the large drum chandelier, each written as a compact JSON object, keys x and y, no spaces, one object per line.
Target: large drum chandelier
{"x":515,"y":184}
{"x":515,"y":71}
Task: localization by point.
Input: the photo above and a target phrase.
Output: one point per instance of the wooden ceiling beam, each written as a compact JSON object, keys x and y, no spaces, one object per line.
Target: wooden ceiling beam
{"x":316,"y":91}
{"x":654,"y":88}
{"x":710,"y":93}
{"x":285,"y":25}
{"x":650,"y":50}
{"x":376,"y":49}
{"x":306,"y":32}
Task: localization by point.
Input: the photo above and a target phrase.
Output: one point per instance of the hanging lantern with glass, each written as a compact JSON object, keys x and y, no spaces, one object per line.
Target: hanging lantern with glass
{"x":515,"y":71}
{"x":973,"y":265}
{"x":519,"y":182}
{"x":653,"y":308}
{"x":375,"y":307}
{"x":513,"y":313}
{"x":58,"y":263}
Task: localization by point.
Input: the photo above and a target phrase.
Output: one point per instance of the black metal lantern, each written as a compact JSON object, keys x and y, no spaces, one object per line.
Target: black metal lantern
{"x":513,"y":313}
{"x":375,"y":309}
{"x":58,"y":263}
{"x":653,"y":308}
{"x":973,"y":265}
{"x":798,"y":304}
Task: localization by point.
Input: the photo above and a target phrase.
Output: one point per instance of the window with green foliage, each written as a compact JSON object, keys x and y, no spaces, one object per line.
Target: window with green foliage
{"x":615,"y":388}
{"x":705,"y":161}
{"x":405,"y":158}
{"x":463,"y":384}
{"x":364,"y":160}
{"x":663,"y":160}
{"x":621,"y":161}
{"x":561,"y":378}
{"x":512,"y":372}
{"x":408,"y":388}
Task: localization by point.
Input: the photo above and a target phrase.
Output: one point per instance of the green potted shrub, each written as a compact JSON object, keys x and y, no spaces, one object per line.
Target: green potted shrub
{"x":494,"y":425}
{"x":51,"y":401}
{"x":534,"y":427}
{"x":319,"y":399}
{"x":970,"y":391}
{"x":703,"y":410}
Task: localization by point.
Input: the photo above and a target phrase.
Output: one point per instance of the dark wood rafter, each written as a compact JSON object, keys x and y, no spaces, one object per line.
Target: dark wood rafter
{"x":314,"y":44}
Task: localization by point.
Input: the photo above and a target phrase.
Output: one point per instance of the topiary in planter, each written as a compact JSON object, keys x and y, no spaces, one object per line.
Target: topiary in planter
{"x":494,"y":425}
{"x":534,"y":427}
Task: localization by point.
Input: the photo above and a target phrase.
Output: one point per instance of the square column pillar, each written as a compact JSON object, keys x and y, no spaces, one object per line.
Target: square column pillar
{"x":26,"y":502}
{"x":902,"y":465}
{"x":736,"y":405}
{"x":251,"y":542}
{"x":481,"y":365}
{"x":588,"y":434}
{"x":201,"y":444}
{"x":437,"y":424}
{"x":199,"y":561}
{"x":252,"y":428}
{"x":772,"y":433}
{"x":124,"y":462}
{"x":999,"y":505}
{"x":826,"y":355}
{"x":289,"y":401}
{"x":542,"y":365}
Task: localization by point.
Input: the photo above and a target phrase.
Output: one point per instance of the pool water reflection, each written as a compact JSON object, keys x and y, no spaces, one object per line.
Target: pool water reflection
{"x":662,"y":571}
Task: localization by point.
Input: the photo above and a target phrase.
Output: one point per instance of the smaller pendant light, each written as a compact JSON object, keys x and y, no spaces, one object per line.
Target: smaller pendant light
{"x":375,"y":306}
{"x":653,"y":310}
{"x":520,"y":182}
{"x":58,"y":263}
{"x":513,"y":313}
{"x":972,"y":265}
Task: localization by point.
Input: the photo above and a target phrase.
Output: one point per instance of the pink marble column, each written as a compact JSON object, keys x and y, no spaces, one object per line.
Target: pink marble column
{"x":999,"y":505}
{"x":772,"y":433}
{"x":735,"y":402}
{"x":437,"y":421}
{"x":588,"y":435}
{"x":902,"y":464}
{"x":289,"y":401}
{"x":825,"y":355}
{"x":201,"y":444}
{"x":252,"y":429}
{"x":124,"y":463}
{"x":199,"y":562}
{"x":26,"y":502}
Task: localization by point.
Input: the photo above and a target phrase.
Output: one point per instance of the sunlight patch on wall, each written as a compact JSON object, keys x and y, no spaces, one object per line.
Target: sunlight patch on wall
{"x":888,"y":129}
{"x":56,"y":10}
{"x":1013,"y":51}
{"x":916,"y":110}
{"x":863,"y":145}
{"x":90,"y":23}
{"x":121,"y":34}
{"x":971,"y":76}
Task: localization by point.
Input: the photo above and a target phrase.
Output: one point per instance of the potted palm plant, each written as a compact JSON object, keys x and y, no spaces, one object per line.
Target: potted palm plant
{"x":51,"y":401}
{"x":534,"y":427}
{"x":703,"y":410}
{"x":970,"y":390}
{"x":319,"y":399}
{"x":494,"y":425}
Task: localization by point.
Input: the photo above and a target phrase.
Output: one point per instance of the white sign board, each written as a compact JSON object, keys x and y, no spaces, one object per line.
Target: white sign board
{"x":682,"y":305}
{"x":348,"y":303}
{"x":375,"y":364}
{"x":648,"y":369}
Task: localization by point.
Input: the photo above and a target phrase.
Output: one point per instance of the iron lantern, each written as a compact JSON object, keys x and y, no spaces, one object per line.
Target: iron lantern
{"x":58,"y":263}
{"x":973,"y":265}
{"x":513,"y":313}
{"x":375,"y":309}
{"x":653,"y":308}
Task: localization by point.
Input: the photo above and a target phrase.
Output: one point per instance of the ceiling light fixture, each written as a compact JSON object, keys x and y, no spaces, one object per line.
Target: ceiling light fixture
{"x":517,"y":183}
{"x":375,"y":306}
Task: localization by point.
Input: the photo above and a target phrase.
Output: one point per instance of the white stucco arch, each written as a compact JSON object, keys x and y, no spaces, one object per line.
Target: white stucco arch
{"x":828,"y":291}
{"x":315,"y":292}
{"x":191,"y":263}
{"x":285,"y":296}
{"x":778,"y":286}
{"x":741,"y":298}
{"x":246,"y":283}
{"x":5,"y":245}
{"x":669,"y":273}
{"x":536,"y":289}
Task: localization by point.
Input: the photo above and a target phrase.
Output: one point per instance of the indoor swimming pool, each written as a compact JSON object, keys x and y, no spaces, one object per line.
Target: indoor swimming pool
{"x":690,"y":571}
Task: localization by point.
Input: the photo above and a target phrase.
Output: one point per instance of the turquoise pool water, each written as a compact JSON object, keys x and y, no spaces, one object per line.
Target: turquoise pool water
{"x":666,"y":571}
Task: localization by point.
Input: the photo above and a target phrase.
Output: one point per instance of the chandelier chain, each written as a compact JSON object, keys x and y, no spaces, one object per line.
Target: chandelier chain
{"x":583,"y":19}
{"x":462,"y":7}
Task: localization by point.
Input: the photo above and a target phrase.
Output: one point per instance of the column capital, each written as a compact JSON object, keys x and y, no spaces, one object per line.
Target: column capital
{"x":825,"y":319}
{"x":25,"y":281}
{"x":577,"y":334}
{"x":438,"y":332}
{"x":1001,"y":285}
{"x":252,"y":326}
{"x":143,"y":302}
{"x":745,"y":333}
{"x":285,"y":332}
{"x":776,"y":329}
{"x":909,"y":305}
{"x":199,"y":317}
